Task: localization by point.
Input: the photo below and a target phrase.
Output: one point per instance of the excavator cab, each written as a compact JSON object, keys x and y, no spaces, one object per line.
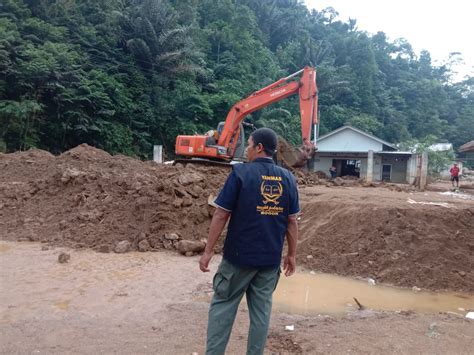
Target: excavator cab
{"x":239,"y":153}
{"x":213,"y":138}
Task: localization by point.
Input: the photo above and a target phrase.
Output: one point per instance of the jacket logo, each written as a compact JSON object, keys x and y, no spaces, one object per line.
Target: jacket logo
{"x":270,"y":192}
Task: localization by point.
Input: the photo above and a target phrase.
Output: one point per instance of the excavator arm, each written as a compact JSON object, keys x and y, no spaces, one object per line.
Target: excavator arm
{"x":229,"y":137}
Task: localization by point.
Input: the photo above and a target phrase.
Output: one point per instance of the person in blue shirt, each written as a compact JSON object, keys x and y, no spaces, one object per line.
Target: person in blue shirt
{"x":261,"y":200}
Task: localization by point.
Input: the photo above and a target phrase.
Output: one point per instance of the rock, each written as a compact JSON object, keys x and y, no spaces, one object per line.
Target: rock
{"x":189,"y":253}
{"x":168,"y":244}
{"x":188,"y":178}
{"x":63,"y":258}
{"x":141,"y":236}
{"x":177,"y":203}
{"x":44,"y":247}
{"x":187,"y":201}
{"x":195,"y":191}
{"x":69,"y":175}
{"x":171,"y":236}
{"x":416,"y":289}
{"x":122,"y":247}
{"x":338,"y":181}
{"x":462,"y":273}
{"x":103,"y":248}
{"x":144,"y":246}
{"x":185,"y":246}
{"x":309,"y":256}
{"x":63,"y":224}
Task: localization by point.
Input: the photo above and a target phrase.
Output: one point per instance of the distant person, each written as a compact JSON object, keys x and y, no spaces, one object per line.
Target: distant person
{"x":455,"y":174}
{"x":261,"y":200}
{"x":333,"y":172}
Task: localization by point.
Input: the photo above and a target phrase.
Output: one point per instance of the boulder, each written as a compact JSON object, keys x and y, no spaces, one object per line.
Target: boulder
{"x":189,"y":178}
{"x":338,"y":181}
{"x":63,"y":258}
{"x":122,"y":247}
{"x":171,"y":236}
{"x":144,"y":245}
{"x":195,"y":246}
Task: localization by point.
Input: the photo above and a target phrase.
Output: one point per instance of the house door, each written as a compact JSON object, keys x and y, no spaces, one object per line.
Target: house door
{"x":386,"y":172}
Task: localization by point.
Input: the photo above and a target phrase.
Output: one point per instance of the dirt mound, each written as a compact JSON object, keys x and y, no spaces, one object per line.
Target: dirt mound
{"x":86,"y":198}
{"x":413,"y":246}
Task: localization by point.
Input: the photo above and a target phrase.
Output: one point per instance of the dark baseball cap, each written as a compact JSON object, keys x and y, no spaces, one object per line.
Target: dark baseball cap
{"x":267,"y":137}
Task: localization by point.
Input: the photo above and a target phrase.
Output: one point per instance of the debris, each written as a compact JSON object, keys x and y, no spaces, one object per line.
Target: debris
{"x":185,"y":246}
{"x":122,"y":247}
{"x":290,"y":327}
{"x":44,"y":247}
{"x":371,"y":281}
{"x":416,"y":289}
{"x":457,"y":195}
{"x":63,"y":258}
{"x":190,"y":178}
{"x":361,"y":307}
{"x":144,"y":245}
{"x":441,"y":204}
{"x":171,"y":236}
{"x":104,"y":248}
{"x":433,"y":330}
{"x":470,"y":315}
{"x":309,"y":256}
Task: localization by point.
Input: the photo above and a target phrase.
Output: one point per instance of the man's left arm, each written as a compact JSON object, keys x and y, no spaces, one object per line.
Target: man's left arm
{"x":219,"y":219}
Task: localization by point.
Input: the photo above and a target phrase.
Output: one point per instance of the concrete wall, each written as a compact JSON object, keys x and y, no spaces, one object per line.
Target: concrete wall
{"x":399,"y":168}
{"x":348,"y":140}
{"x":411,"y":169}
{"x":377,"y":176}
{"x":322,"y":163}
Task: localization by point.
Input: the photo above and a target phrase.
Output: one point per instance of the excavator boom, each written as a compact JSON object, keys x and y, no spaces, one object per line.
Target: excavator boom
{"x":226,"y":144}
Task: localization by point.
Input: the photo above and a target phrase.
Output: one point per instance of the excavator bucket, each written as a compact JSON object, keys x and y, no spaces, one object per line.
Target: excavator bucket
{"x":293,"y":157}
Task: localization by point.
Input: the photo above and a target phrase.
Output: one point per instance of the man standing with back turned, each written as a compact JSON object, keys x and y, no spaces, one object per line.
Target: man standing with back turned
{"x":261,"y":200}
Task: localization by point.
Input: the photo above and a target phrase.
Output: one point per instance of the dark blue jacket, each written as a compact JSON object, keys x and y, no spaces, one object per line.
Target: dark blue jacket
{"x":260,"y":196}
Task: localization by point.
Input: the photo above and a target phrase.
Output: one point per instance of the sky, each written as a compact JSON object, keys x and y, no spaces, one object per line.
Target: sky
{"x":440,"y":27}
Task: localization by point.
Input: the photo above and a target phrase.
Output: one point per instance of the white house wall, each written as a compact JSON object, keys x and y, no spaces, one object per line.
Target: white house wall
{"x":349,"y":141}
{"x":322,"y":164}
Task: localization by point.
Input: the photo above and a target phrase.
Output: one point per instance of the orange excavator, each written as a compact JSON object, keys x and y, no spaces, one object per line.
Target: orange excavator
{"x":227,"y":143}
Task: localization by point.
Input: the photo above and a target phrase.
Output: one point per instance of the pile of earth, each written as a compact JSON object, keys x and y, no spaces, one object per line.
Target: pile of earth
{"x":86,"y":198}
{"x":424,"y":246}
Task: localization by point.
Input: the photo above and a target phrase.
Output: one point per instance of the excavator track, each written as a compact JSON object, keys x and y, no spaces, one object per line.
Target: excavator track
{"x":201,"y":161}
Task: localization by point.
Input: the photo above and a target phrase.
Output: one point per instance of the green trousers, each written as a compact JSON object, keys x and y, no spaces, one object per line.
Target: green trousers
{"x":230,"y":283}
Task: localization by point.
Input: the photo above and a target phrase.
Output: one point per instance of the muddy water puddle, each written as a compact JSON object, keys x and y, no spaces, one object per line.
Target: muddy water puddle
{"x":307,"y":294}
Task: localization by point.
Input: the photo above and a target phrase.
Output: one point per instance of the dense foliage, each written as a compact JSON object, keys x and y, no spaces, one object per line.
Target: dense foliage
{"x":126,"y":74}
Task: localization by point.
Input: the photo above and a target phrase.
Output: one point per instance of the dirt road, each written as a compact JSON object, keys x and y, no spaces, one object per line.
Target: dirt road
{"x":145,"y":303}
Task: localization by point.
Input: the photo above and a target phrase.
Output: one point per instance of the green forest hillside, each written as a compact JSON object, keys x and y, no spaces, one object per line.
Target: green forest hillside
{"x":123,"y":75}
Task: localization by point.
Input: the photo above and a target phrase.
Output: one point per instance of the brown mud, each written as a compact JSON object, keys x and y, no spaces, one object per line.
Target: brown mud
{"x":86,"y":198}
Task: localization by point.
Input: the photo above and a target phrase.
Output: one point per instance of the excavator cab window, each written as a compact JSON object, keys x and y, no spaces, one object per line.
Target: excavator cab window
{"x":240,"y":147}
